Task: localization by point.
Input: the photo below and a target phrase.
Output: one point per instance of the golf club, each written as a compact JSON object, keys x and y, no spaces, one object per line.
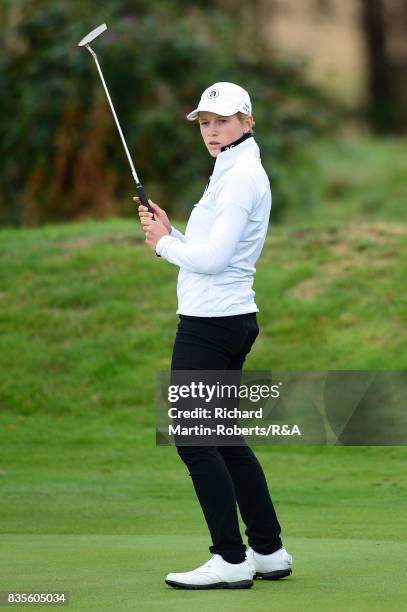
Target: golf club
{"x":85,"y":43}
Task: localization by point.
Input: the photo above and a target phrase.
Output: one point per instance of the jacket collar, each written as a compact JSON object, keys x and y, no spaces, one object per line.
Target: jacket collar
{"x":247,"y":148}
{"x":236,"y":142}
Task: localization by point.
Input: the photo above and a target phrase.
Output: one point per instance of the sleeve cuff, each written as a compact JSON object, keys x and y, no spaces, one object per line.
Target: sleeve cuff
{"x":159,"y":247}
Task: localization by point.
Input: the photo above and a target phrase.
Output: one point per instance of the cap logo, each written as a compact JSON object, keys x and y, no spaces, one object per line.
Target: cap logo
{"x":214,"y":93}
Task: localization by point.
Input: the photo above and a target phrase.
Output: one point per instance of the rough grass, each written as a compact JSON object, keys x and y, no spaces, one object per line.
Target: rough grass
{"x":85,"y":319}
{"x":356,"y":181}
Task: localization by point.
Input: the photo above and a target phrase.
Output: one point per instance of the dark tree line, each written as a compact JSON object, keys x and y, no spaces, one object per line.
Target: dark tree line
{"x":61,"y":156}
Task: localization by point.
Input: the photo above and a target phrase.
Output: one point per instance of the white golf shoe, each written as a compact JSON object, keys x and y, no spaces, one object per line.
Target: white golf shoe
{"x":214,"y":574}
{"x":270,"y":567}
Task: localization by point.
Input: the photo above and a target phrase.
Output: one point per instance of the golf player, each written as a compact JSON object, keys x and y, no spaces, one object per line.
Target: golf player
{"x":217,"y":328}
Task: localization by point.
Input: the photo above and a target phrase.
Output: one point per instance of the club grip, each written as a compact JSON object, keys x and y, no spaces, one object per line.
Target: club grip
{"x":144,"y":201}
{"x":143,"y":197}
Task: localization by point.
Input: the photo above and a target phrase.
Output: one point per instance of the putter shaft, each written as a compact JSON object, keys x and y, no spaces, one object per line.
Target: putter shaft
{"x":140,"y":189}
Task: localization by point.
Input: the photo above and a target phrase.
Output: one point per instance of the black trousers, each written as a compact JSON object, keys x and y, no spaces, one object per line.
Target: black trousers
{"x":224,"y":475}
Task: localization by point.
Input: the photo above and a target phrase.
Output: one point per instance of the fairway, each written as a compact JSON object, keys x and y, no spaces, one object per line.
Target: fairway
{"x":92,"y":507}
{"x":103,"y":572}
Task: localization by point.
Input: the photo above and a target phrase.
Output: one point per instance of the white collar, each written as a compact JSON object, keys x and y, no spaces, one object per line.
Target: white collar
{"x":227,"y":159}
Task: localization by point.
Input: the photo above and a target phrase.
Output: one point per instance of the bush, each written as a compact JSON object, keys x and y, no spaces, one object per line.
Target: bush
{"x":62,"y":157}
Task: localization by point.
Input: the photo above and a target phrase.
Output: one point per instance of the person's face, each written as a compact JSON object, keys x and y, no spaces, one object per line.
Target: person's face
{"x":219,"y":131}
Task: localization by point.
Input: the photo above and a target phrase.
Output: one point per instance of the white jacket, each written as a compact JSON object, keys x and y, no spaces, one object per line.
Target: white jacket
{"x":223,"y":238}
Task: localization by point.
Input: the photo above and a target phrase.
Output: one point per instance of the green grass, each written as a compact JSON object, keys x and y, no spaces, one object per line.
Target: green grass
{"x":356,"y":180}
{"x":95,"y":312}
{"x":91,"y":506}
{"x":105,"y":572}
{"x":87,"y":317}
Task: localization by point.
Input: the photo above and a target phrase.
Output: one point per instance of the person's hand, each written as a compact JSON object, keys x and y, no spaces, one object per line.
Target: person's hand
{"x":159,"y":213}
{"x":154,"y":229}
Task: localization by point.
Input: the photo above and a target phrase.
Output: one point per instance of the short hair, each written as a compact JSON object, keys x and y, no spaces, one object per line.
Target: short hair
{"x":242,"y":117}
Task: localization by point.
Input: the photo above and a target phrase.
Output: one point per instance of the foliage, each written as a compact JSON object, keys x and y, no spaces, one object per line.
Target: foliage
{"x":62,"y":157}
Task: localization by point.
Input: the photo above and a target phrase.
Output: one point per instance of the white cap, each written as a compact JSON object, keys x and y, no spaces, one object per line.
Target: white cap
{"x":223,"y":99}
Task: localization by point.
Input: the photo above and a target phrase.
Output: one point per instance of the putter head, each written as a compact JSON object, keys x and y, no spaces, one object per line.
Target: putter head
{"x":92,"y":35}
